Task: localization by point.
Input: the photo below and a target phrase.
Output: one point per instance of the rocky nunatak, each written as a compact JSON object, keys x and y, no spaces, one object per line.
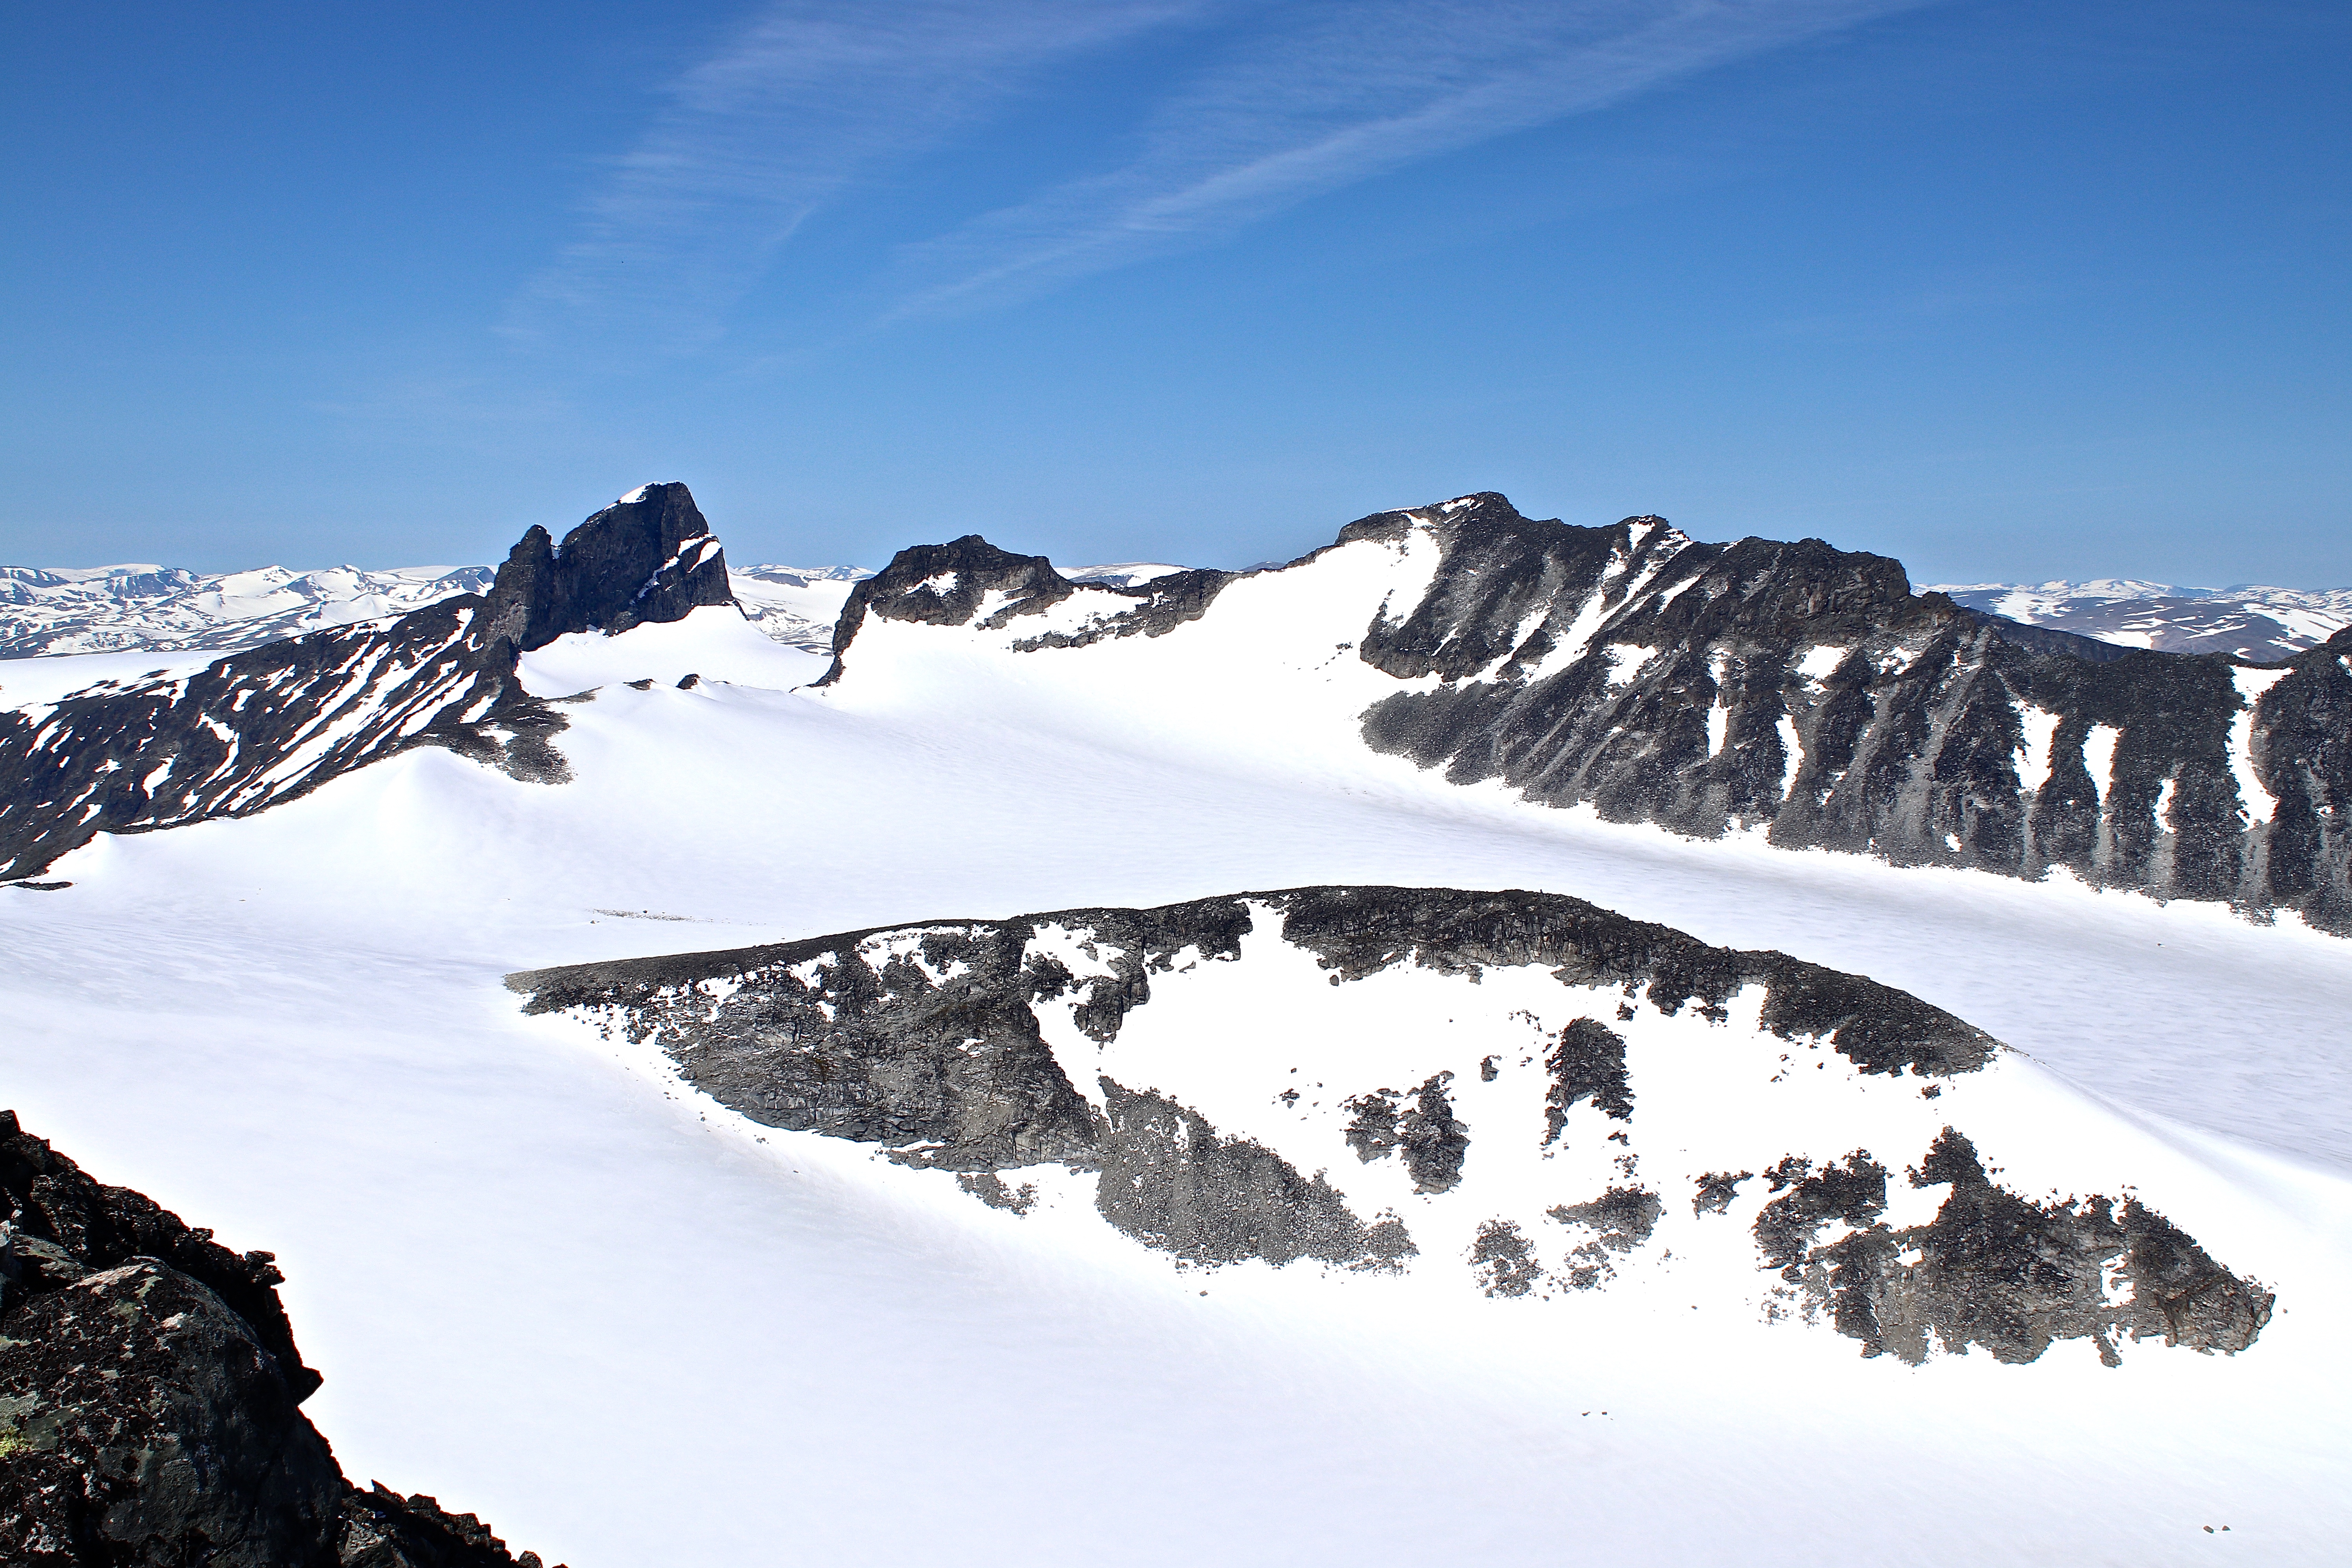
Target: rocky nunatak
{"x":149,"y":1389}
{"x":268,"y":725}
{"x":928,"y":1041}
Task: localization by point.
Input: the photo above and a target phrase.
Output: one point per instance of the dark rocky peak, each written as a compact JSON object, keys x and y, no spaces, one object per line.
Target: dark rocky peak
{"x":162,"y":753}
{"x":1507,"y":586}
{"x":950,"y":585}
{"x":649,"y":556}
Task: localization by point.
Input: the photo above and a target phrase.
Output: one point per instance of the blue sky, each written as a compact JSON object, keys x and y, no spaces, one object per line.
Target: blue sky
{"x":2008,"y":291}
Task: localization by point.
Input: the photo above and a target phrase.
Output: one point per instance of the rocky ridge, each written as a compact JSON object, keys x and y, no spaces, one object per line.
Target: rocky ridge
{"x":991,"y":1046}
{"x":268,"y":725}
{"x":149,"y":1400}
{"x":1792,"y":690}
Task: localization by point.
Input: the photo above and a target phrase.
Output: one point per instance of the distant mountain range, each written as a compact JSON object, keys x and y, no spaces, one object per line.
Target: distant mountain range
{"x":101,"y":609}
{"x":2249,"y":621}
{"x":106,"y":609}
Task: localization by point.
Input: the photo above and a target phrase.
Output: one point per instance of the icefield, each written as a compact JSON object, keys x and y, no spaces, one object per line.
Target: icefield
{"x":547,"y":1275}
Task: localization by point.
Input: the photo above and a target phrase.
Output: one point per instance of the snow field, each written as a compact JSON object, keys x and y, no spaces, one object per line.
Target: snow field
{"x":553,"y":1287}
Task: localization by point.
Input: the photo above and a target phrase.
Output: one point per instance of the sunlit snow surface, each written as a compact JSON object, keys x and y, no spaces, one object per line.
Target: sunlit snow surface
{"x":554,"y":1288}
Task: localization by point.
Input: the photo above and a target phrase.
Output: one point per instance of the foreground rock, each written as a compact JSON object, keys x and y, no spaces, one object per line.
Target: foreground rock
{"x":1550,"y":1097}
{"x":149,"y":1400}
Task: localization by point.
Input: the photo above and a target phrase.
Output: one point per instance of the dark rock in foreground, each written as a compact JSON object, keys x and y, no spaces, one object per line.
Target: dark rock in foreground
{"x":148,"y":1395}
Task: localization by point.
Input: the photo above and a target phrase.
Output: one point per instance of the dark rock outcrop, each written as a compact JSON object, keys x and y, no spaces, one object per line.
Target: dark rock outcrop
{"x":928,"y":1040}
{"x":1614,"y":1223}
{"x":1503,"y":1260}
{"x":925,"y":1040}
{"x":800,"y":1034}
{"x":969,"y":582}
{"x":1169,"y":1180}
{"x":1792,"y":688}
{"x":149,"y":1400}
{"x":63,"y":1225}
{"x":1806,"y":691}
{"x":268,"y":725}
{"x":1998,"y":1271}
{"x":150,"y":1424}
{"x":1426,"y":1133}
{"x":1587,"y":1065}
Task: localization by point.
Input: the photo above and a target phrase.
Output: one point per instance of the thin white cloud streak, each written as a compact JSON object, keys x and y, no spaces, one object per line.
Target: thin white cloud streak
{"x":809,"y":100}
{"x":1332,"y":94}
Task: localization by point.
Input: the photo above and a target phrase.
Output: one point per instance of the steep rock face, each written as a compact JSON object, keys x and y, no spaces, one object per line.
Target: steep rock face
{"x":1791,"y":689}
{"x":1562,"y":1099}
{"x":1806,"y":691}
{"x":148,"y":1420}
{"x":649,"y":556}
{"x":268,"y":725}
{"x":148,"y":1395}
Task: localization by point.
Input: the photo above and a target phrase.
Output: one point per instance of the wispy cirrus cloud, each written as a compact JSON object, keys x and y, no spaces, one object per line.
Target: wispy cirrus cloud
{"x":809,"y":100}
{"x":1322,"y":96}
{"x":1286,"y":102}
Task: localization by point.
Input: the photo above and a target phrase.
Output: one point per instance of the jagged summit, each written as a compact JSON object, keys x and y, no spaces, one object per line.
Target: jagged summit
{"x":649,"y":556}
{"x":1791,"y":689}
{"x":268,"y":725}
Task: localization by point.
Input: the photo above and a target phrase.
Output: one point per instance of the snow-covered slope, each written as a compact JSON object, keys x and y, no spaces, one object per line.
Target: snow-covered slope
{"x":2250,"y":622}
{"x":241,"y":733}
{"x":560,"y":1279}
{"x":104,"y":609}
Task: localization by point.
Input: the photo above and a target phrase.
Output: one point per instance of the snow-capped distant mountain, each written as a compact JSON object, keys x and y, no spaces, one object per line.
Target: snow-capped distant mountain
{"x":1122,"y":574}
{"x":47,"y":611}
{"x":2248,"y":622}
{"x":796,"y":605}
{"x":104,"y":609}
